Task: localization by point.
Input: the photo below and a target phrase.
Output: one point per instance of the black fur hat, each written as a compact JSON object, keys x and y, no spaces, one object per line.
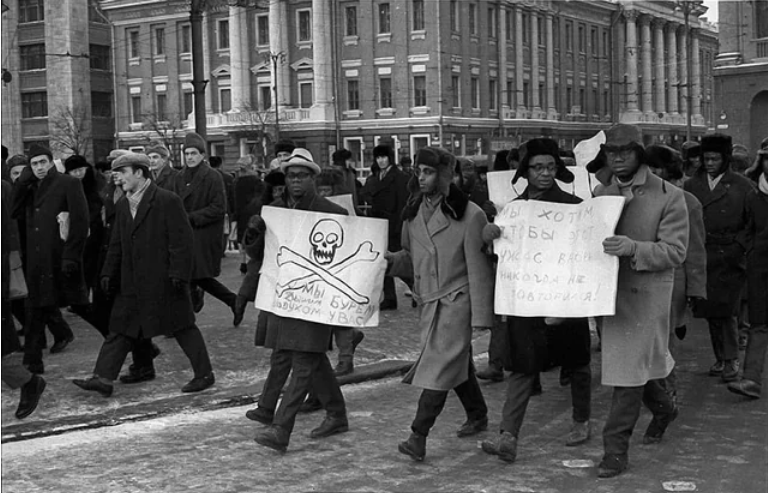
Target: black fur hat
{"x":384,"y":150}
{"x":664,"y":157}
{"x":720,"y":143}
{"x":74,"y":162}
{"x":543,"y":147}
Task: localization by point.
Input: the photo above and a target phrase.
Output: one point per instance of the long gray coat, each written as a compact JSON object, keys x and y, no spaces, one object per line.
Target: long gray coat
{"x":453,"y":283}
{"x":635,"y":340}
{"x":691,"y":277}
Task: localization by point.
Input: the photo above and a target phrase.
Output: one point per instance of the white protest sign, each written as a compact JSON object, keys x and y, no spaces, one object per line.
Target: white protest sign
{"x":587,"y":150}
{"x":323,"y":268}
{"x":345,"y":201}
{"x":551,"y":260}
{"x":501,"y":190}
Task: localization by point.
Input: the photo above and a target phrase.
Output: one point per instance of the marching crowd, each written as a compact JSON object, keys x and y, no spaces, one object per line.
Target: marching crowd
{"x":132,"y":245}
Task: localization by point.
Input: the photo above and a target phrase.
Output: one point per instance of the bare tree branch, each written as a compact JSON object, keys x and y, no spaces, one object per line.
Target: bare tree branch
{"x":168,"y":128}
{"x":71,"y":131}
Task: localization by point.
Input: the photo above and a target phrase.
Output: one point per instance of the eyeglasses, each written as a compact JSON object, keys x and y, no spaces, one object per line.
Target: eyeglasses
{"x":539,"y":169}
{"x":297,"y":176}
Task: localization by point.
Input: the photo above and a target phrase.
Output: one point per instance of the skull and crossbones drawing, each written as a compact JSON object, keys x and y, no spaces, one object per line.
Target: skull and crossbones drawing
{"x":326,"y":238}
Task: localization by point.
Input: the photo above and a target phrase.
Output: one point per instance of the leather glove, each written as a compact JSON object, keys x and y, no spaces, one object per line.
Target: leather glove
{"x":619,"y":246}
{"x":257,"y":224}
{"x":490,"y":233}
{"x":68,"y":267}
{"x":106,"y":284}
{"x":681,"y":331}
{"x":553,"y":321}
{"x":178,"y":284}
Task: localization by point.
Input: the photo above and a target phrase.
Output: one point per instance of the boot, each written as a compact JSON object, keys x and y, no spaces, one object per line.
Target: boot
{"x":658,"y":426}
{"x":331,"y":425}
{"x":273,"y":437}
{"x":415,"y":446}
{"x":579,"y":434}
{"x":730,"y":371}
{"x":505,"y":446}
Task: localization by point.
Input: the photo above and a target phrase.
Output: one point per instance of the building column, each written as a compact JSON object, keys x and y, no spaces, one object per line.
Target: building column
{"x":245,"y":50}
{"x":534,"y":46}
{"x":521,"y":109}
{"x":672,"y":80}
{"x":647,"y":86}
{"x":236,"y":56}
{"x":684,"y":91}
{"x":278,"y":47}
{"x":551,"y":108}
{"x":502,"y":30}
{"x":661,"y":104}
{"x":698,"y":119}
{"x":632,"y":110}
{"x":322,"y":53}
{"x":207,"y":61}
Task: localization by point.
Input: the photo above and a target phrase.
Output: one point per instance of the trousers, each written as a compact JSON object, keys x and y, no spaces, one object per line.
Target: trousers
{"x":37,"y":319}
{"x":754,"y":358}
{"x":216,"y":289}
{"x":280,"y":363}
{"x":724,"y":334}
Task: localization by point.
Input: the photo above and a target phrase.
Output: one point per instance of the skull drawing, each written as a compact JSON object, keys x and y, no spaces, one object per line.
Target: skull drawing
{"x":326,"y":237}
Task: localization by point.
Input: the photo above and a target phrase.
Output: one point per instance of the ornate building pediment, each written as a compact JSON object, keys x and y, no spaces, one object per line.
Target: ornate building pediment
{"x":303,"y":64}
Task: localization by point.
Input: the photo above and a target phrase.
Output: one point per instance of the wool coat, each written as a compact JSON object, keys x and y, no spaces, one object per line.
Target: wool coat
{"x":144,"y":253}
{"x":205,"y":201}
{"x":635,"y":341}
{"x":757,"y":257}
{"x":39,"y":202}
{"x":725,"y":222}
{"x":453,"y":284}
{"x":166,"y":179}
{"x":387,"y":197}
{"x":294,"y":334}
{"x":10,"y":240}
{"x":691,"y":277}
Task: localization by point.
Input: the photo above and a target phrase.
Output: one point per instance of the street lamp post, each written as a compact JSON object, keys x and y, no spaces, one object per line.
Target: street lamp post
{"x":275,"y":57}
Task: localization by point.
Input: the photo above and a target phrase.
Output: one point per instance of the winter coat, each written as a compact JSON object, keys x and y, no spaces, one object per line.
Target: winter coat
{"x":691,"y":277}
{"x":635,"y":340}
{"x":453,"y":283}
{"x":205,"y":201}
{"x":294,"y":334}
{"x":387,"y":198}
{"x":757,"y":257}
{"x":10,"y":239}
{"x":725,"y":222}
{"x":532,"y":344}
{"x":145,"y":252}
{"x":39,"y":202}
{"x":247,"y":188}
{"x":96,"y":229}
{"x":229,"y":190}
{"x":167,"y":177}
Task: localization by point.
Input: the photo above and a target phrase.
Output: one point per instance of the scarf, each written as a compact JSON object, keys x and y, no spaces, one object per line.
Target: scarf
{"x":762,"y":183}
{"x":714,"y":181}
{"x":626,"y":188}
{"x":134,"y":199}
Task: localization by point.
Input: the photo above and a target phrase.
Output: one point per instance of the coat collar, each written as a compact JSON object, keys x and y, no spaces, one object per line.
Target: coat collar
{"x":454,"y":205}
{"x":707,"y":196}
{"x":144,"y":205}
{"x":200,"y":176}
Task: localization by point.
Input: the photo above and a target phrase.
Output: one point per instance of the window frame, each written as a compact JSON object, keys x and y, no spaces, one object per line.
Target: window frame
{"x":493,"y":94}
{"x":27,"y":57}
{"x":29,"y":103}
{"x":353,"y":95}
{"x":101,"y":99}
{"x":222,"y":90}
{"x":419,"y":21}
{"x":28,"y":6}
{"x":262,"y":33}
{"x":133,"y":45}
{"x":350,"y":21}
{"x":493,"y":22}
{"x":302,"y":102}
{"x":474,"y":93}
{"x":418,"y":92}
{"x":388,"y":97}
{"x":185,"y":38}
{"x":99,"y":54}
{"x":384,"y":19}
{"x":135,"y":113}
{"x":456,"y":91}
{"x":158,"y":41}
{"x":301,"y":26}
{"x":220,"y":33}
{"x":472,"y":19}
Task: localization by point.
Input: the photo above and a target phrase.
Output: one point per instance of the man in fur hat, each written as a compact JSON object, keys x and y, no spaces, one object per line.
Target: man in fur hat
{"x":532,"y":342}
{"x":443,"y":253}
{"x":201,"y":189}
{"x":283,"y":150}
{"x":386,"y":191}
{"x":723,"y":194}
{"x":651,"y":241}
{"x":163,"y":173}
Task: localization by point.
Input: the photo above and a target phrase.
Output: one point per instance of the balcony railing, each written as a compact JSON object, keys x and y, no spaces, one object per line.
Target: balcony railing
{"x":762,"y":48}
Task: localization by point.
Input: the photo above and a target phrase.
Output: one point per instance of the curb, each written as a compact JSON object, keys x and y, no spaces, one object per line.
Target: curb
{"x":233,"y":397}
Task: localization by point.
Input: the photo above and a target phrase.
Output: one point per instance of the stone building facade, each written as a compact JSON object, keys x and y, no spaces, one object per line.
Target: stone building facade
{"x":57,"y":77}
{"x":474,"y":76}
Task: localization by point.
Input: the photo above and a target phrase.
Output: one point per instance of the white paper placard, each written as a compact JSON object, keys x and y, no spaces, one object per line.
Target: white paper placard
{"x":345,"y":201}
{"x":323,"y":268}
{"x":551,"y":261}
{"x":501,"y":191}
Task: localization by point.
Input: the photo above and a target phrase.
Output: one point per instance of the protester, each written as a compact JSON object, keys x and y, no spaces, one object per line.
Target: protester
{"x":283,"y":150}
{"x":691,"y":159}
{"x":650,"y":241}
{"x":248,"y":187}
{"x":163,"y":174}
{"x":723,"y":194}
{"x":534,"y":341}
{"x":476,"y":189}
{"x":342,"y":160}
{"x":296,"y":343}
{"x":148,"y":265}
{"x":442,"y":251}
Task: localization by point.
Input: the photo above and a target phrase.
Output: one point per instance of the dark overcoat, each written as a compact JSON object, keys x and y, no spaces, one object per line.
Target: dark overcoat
{"x":205,"y":202}
{"x":691,"y":277}
{"x":166,"y":179}
{"x":145,"y":252}
{"x":387,"y":197}
{"x":294,"y":334}
{"x":39,"y":202}
{"x":757,"y":257}
{"x":532,"y":344}
{"x":10,"y":239}
{"x":725,"y":222}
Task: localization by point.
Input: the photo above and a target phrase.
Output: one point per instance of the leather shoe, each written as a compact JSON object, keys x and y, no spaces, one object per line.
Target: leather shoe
{"x":96,"y":385}
{"x":658,"y":425}
{"x":260,"y":414}
{"x":716,"y":369}
{"x":745,"y":387}
{"x":331,"y":425}
{"x":579,"y":434}
{"x":273,"y":437}
{"x":137,"y":375}
{"x":238,"y":310}
{"x":491,"y":373}
{"x":415,"y":447}
{"x":610,"y":467}
{"x":472,"y":427}
{"x":730,"y":371}
{"x":61,"y":345}
{"x":505,"y":446}
{"x":30,"y":396}
{"x":310,"y":405}
{"x":198,"y":384}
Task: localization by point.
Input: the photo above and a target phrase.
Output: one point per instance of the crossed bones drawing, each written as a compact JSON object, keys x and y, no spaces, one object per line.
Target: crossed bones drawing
{"x":329,"y":275}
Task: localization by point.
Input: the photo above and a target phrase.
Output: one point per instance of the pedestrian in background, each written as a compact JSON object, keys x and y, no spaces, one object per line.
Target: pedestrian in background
{"x":163,"y":173}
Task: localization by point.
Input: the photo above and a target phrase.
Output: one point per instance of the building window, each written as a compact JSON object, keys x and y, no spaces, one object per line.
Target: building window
{"x":568,"y":37}
{"x":98,"y":57}
{"x":305,"y":95}
{"x":385,"y":92}
{"x":384,"y":25}
{"x":540,"y":30}
{"x":582,"y":101}
{"x":34,"y":104}
{"x":492,"y":22}
{"x":508,"y":25}
{"x":605,"y":43}
{"x":472,"y":19}
{"x":455,"y":18}
{"x":419,"y":90}
{"x":526,"y":94}
{"x":456,"y":91}
{"x":304,"y":25}
{"x":159,"y":41}
{"x":493,"y":94}
{"x":101,"y":104}
{"x":135,"y":109}
{"x":265,"y":97}
{"x":582,"y":39}
{"x":761,"y":19}
{"x":353,"y":95}
{"x":32,"y":57}
{"x":595,"y":101}
{"x":161,"y":108}
{"x":526,"y":29}
{"x":510,"y":93}
{"x":569,"y":99}
{"x":222,"y":39}
{"x":475,"y":88}
{"x":225,"y":100}
{"x":30,"y":11}
{"x":593,"y":41}
{"x":188,"y":103}
{"x":418,"y":15}
{"x":262,"y":30}
{"x":351,"y":21}
{"x":185,"y":40}
{"x":133,"y":43}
